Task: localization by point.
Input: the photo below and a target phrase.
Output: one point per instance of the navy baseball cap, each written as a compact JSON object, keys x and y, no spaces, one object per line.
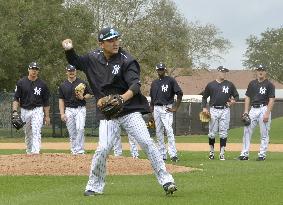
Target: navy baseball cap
{"x":261,"y":67}
{"x":34,"y":65}
{"x":160,"y":66}
{"x":107,"y":33}
{"x":222,"y":69}
{"x":70,"y":68}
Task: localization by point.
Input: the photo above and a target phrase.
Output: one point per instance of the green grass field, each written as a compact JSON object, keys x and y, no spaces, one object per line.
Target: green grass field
{"x":218,"y":182}
{"x":235,"y":136}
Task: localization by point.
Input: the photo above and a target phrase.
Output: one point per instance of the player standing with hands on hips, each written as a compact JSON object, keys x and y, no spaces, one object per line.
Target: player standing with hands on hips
{"x":32,"y":95}
{"x":162,"y":92}
{"x":260,"y":95}
{"x":111,"y":70}
{"x":222,"y":95}
{"x":72,"y":108}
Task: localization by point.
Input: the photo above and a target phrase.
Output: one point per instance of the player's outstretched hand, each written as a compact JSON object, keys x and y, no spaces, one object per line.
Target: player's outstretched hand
{"x":67,"y":44}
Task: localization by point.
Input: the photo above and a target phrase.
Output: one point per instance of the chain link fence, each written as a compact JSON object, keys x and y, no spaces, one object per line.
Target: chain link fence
{"x":186,"y":120}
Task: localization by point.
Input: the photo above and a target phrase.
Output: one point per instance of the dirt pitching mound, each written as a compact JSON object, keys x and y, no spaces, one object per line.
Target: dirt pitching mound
{"x":75,"y":165}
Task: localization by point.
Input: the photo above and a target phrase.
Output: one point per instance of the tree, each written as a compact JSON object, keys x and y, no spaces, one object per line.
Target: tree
{"x":267,"y":50}
{"x":33,"y":31}
{"x":154,"y":31}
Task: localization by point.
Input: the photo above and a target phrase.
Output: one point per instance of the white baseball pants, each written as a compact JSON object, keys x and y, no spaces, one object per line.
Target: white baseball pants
{"x":164,"y":120}
{"x":75,"y":124}
{"x":219,"y":122}
{"x":135,"y":126}
{"x":256,"y":115}
{"x":32,"y":128}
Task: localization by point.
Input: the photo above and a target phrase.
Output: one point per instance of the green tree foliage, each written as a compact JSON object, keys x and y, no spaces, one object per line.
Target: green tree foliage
{"x":33,"y":31}
{"x":152,"y":30}
{"x":266,"y":49}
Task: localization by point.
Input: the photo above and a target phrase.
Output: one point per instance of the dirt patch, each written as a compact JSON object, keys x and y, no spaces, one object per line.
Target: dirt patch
{"x":67,"y":164}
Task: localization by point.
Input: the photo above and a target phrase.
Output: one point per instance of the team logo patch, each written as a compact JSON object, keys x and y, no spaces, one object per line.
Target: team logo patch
{"x":37,"y":91}
{"x":164,"y":88}
{"x":262,"y":90}
{"x":225,"y":89}
{"x":116,"y":69}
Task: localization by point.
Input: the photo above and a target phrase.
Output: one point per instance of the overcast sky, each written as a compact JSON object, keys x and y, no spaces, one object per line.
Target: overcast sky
{"x":236,"y":19}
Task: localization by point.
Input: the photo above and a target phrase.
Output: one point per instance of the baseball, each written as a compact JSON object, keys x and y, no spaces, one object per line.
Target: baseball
{"x":67,"y":44}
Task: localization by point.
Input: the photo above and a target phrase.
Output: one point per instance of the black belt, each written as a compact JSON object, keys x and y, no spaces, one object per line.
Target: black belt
{"x":158,"y":104}
{"x":219,"y":106}
{"x":258,"y":105}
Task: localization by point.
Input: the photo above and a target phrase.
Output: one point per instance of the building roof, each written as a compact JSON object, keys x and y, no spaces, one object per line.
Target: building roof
{"x":195,"y":83}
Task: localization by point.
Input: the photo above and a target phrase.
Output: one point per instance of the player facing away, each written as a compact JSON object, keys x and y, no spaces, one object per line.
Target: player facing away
{"x":72,"y":108}
{"x":112,"y":70}
{"x":162,"y":92}
{"x":260,"y":95}
{"x":222,"y":95}
{"x":32,"y":96}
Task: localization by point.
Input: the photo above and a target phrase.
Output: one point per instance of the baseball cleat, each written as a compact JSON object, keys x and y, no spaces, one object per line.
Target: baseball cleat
{"x":222,"y":157}
{"x":175,"y":159}
{"x":261,"y":158}
{"x":211,"y":156}
{"x":169,"y":188}
{"x":91,"y":193}
{"x":243,"y":158}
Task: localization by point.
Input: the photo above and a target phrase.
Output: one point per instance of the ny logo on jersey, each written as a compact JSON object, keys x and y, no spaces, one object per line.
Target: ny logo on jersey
{"x":37,"y":91}
{"x":262,"y":90}
{"x":225,"y":89}
{"x":116,"y":69}
{"x":164,"y":88}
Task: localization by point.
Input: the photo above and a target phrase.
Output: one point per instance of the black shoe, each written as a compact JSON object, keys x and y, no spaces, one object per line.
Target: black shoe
{"x":91,"y":193}
{"x":175,"y":159}
{"x":243,"y":158}
{"x":211,"y":156}
{"x":260,"y":158}
{"x":169,"y":188}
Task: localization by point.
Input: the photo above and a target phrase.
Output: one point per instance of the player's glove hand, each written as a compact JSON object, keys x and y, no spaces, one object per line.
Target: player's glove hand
{"x":111,"y":106}
{"x":79,"y":91}
{"x":67,"y":44}
{"x":246,"y":119}
{"x":204,"y":116}
{"x":150,"y":124}
{"x":17,"y":121}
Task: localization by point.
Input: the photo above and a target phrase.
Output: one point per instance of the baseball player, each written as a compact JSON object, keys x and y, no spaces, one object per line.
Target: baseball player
{"x":117,"y":147}
{"x":162,"y":92}
{"x":260,"y":95}
{"x":32,"y":95}
{"x":222,"y":95}
{"x":72,"y":109}
{"x":111,"y":70}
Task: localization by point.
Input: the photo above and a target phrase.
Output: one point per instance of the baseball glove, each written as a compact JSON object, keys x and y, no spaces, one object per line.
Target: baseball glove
{"x":246,"y":119}
{"x":17,"y":121}
{"x":204,"y":117}
{"x":111,"y":106}
{"x":150,"y":124}
{"x":80,"y":88}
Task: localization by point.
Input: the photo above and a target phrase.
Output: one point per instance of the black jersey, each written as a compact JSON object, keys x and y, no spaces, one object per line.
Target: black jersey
{"x":32,"y":94}
{"x":162,"y":91}
{"x":114,"y":76}
{"x":219,"y":93}
{"x":260,"y":92}
{"x":67,"y":93}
